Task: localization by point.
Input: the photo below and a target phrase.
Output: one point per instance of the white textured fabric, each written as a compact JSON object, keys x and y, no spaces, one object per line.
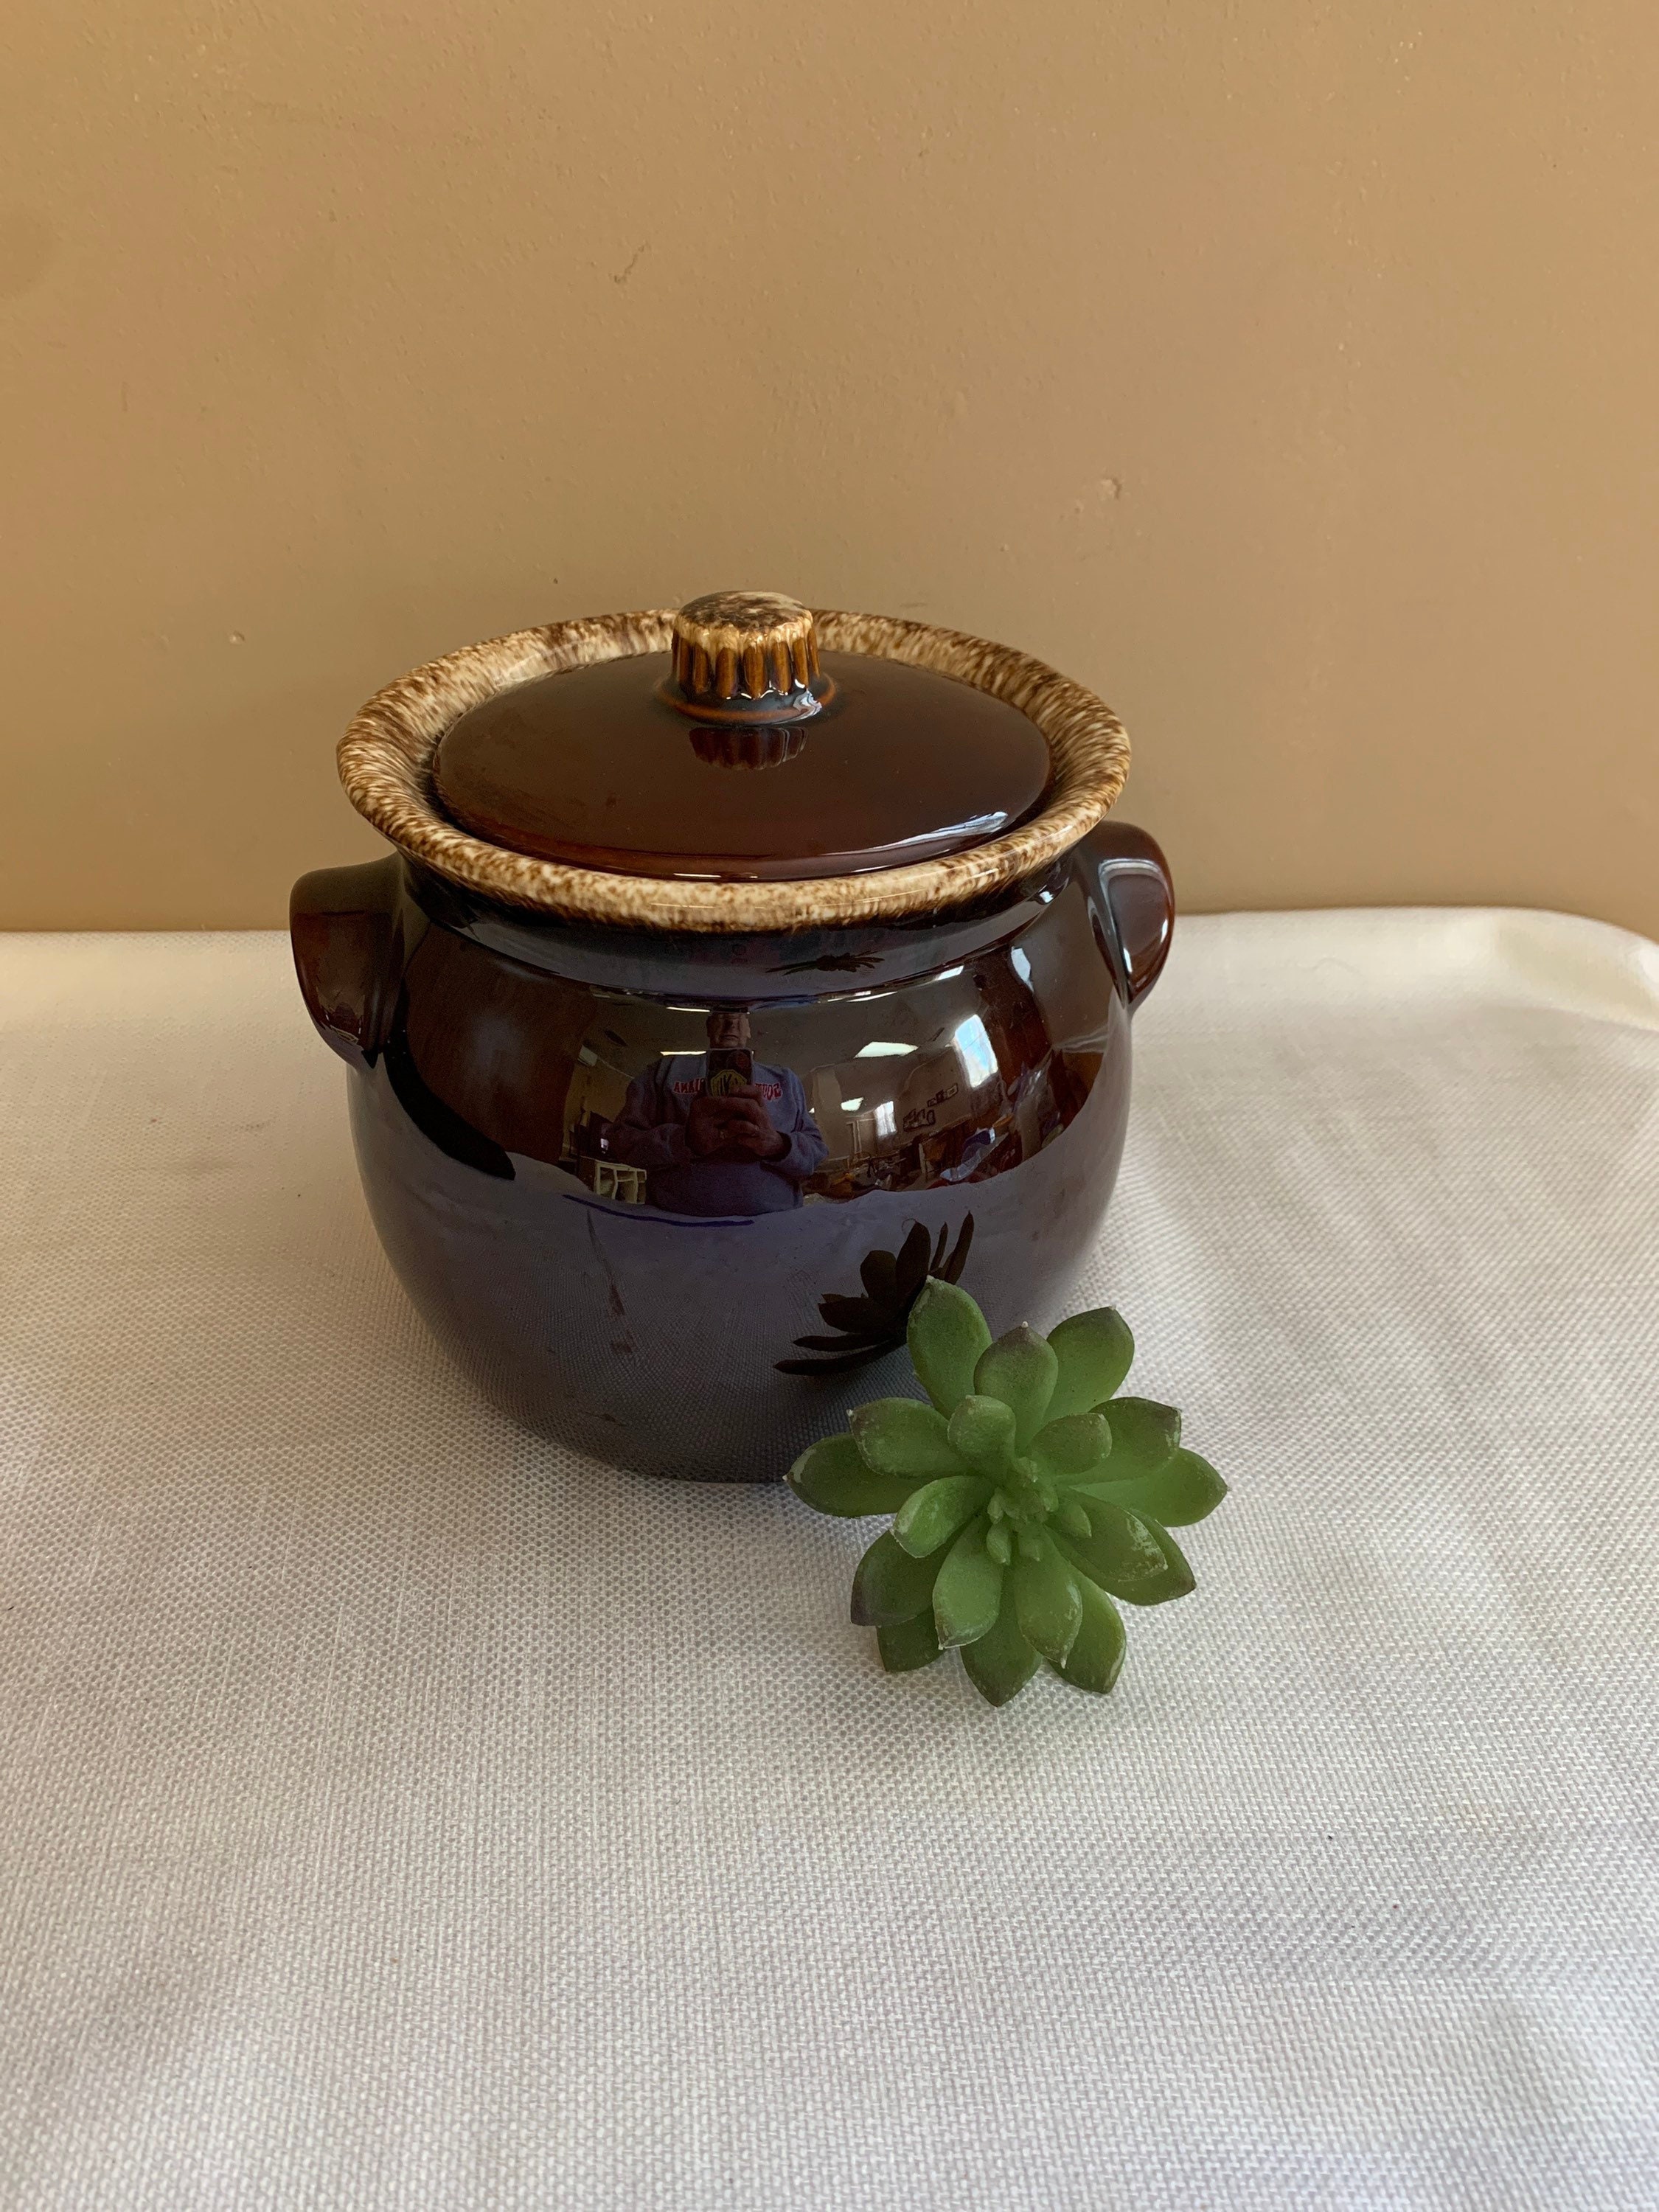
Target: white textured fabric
{"x":397,"y":1812}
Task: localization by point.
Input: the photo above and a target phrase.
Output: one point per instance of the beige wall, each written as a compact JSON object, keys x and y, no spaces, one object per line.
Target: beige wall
{"x":1286,"y":372}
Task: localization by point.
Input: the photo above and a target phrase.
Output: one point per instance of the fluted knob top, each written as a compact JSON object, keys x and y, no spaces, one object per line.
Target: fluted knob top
{"x":747,"y":652}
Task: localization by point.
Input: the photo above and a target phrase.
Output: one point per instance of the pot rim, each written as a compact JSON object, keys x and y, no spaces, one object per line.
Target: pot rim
{"x":386,"y":765}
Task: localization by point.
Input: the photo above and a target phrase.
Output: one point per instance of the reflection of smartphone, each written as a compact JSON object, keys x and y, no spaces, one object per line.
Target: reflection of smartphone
{"x":729,"y":1071}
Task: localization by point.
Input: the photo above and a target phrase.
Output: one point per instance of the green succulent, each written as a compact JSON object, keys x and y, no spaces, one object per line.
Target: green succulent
{"x":1025,"y":1495}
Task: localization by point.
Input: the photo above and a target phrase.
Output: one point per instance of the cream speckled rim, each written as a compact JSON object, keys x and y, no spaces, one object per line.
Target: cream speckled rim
{"x":386,"y":765}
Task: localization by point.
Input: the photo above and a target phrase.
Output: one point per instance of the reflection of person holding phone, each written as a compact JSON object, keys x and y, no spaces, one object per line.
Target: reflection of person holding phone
{"x":715,"y":1132}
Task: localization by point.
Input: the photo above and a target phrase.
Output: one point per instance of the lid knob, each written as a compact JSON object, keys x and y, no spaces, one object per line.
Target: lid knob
{"x":744,"y":655}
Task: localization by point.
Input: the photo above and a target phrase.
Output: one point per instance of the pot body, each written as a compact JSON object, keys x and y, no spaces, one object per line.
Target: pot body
{"x":669,"y":1198}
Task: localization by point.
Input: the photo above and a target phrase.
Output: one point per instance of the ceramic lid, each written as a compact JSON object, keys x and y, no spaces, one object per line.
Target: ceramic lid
{"x":746,"y":753}
{"x":743,"y":763}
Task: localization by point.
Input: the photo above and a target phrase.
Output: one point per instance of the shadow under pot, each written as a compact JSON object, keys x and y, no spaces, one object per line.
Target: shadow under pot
{"x":735,"y":969}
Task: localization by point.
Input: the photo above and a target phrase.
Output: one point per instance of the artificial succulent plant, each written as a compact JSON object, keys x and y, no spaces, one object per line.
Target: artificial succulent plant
{"x":1026,"y":1496}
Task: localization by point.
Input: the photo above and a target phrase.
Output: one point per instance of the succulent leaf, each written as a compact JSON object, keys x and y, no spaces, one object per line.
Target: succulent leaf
{"x":1120,"y":1547}
{"x":1143,"y":1434}
{"x":901,"y":1436}
{"x":1046,"y":1600}
{"x":1182,"y":1491}
{"x":890,"y":1586}
{"x":1180,"y":1580}
{"x":834,"y":1477}
{"x":982,"y":1432}
{"x":1130,"y":1556}
{"x":1071,"y":1516}
{"x":998,"y":1543}
{"x":937,"y":1511}
{"x":1073,"y":1446}
{"x":1095,"y":1658}
{"x":1020,"y":1369}
{"x":947,"y":1334}
{"x":904,"y":1646}
{"x":1000,"y":1662}
{"x":967,"y":1594}
{"x":1094,"y":1351}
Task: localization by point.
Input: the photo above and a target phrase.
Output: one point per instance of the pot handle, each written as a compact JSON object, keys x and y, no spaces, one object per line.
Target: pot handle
{"x":346,"y":927}
{"x":1127,"y":878}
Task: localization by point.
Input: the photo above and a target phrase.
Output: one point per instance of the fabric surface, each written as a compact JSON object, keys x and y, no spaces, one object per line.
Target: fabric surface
{"x":397,"y":1812}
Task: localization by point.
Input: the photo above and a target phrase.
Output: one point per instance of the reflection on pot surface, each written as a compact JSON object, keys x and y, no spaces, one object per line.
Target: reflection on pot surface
{"x":624,"y":1175}
{"x":874,"y":1320}
{"x":716,"y":1131}
{"x":731,"y":1127}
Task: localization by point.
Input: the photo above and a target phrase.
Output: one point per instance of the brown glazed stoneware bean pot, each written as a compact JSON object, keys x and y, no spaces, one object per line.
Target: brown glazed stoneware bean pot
{"x":735,"y":969}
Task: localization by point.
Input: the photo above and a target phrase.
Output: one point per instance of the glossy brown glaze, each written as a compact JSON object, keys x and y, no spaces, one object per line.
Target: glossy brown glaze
{"x":599,"y":767}
{"x":386,"y":754}
{"x":667,"y":1198}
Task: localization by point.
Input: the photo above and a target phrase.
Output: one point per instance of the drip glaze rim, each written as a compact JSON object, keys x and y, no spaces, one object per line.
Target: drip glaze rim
{"x":385,"y":760}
